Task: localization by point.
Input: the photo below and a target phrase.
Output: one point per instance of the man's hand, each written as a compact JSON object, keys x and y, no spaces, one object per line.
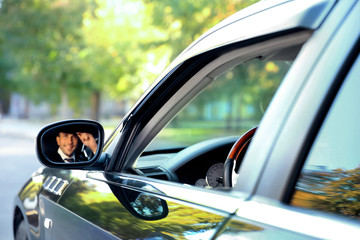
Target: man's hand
{"x":88,"y":140}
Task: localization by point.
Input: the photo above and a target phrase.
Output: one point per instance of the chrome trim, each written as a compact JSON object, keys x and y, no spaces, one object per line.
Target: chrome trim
{"x":61,"y":186}
{"x":48,"y":182}
{"x":55,"y":185}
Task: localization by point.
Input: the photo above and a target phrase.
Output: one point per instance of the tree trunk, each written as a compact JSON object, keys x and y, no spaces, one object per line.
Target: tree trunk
{"x":26,"y":112}
{"x":95,"y":105}
{"x":4,"y":102}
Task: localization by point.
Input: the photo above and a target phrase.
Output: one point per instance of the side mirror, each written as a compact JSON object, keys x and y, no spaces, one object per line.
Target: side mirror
{"x":75,"y":144}
{"x":141,"y":203}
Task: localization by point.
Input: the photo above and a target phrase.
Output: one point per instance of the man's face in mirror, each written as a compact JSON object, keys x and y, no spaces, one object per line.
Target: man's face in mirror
{"x":67,"y":142}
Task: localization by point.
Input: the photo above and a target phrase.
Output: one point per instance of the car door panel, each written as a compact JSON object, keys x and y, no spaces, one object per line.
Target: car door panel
{"x":71,"y":226}
{"x":48,"y":215}
{"x":96,"y":200}
{"x":289,"y":222}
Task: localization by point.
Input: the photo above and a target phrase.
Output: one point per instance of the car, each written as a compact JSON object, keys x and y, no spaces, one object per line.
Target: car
{"x":252,"y":132}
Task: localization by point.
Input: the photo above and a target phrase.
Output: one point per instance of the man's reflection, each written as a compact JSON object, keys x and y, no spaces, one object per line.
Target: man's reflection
{"x":74,"y":146}
{"x":67,"y":143}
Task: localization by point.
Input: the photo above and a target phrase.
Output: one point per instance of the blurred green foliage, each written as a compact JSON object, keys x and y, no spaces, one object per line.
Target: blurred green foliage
{"x":73,"y":52}
{"x":99,"y":203}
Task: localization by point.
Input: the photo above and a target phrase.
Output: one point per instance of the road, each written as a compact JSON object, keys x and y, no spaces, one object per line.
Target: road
{"x":18,"y":161}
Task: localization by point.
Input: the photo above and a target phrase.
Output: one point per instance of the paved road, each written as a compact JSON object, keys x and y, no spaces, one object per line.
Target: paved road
{"x":18,"y":161}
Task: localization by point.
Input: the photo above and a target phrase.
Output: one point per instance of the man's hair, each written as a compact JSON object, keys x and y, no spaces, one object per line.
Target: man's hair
{"x":66,"y":129}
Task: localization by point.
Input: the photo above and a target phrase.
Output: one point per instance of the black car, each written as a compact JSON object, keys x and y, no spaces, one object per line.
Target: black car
{"x":251,"y":133}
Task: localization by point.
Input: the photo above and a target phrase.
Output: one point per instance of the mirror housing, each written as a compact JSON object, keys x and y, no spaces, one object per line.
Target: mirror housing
{"x":72,"y":144}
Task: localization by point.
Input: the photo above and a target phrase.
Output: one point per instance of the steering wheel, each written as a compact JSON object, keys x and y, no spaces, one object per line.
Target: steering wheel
{"x":236,"y":155}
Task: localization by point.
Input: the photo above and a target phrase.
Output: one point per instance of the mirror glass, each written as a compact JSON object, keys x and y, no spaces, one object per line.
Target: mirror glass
{"x":69,"y":143}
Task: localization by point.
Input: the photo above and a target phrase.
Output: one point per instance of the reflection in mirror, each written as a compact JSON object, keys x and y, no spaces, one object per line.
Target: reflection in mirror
{"x":70,"y":143}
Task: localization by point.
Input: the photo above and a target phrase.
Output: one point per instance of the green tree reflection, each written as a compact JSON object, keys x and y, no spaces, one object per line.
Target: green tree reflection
{"x":337,"y":192}
{"x":104,"y":210}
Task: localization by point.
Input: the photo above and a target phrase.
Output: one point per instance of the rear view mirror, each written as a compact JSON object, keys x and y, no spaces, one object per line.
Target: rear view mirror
{"x":70,"y":143}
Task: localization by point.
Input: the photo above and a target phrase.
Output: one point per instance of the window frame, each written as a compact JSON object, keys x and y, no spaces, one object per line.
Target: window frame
{"x":172,"y":101}
{"x":335,"y":91}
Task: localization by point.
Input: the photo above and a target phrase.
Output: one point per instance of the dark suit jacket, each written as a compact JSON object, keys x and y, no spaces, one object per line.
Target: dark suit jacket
{"x":55,"y":157}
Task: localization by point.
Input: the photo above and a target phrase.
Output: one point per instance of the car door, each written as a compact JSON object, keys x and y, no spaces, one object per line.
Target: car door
{"x":113,"y":206}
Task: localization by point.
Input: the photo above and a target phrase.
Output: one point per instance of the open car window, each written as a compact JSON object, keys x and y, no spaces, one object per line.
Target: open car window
{"x":230,"y":106}
{"x":193,"y":146}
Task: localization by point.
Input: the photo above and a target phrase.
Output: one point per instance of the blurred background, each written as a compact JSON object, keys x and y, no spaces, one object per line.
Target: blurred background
{"x":91,"y":59}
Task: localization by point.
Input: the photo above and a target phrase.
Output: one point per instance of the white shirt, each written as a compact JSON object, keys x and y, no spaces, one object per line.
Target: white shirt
{"x":63,"y":156}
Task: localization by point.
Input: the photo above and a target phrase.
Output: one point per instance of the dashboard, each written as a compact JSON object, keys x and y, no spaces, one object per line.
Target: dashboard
{"x":201,"y":164}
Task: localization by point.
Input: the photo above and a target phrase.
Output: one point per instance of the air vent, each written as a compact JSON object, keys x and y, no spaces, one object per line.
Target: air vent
{"x":160,"y":176}
{"x":155,"y":172}
{"x":151,"y":170}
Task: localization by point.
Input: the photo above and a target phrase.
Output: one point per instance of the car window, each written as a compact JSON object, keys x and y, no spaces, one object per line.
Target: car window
{"x":193,"y":147}
{"x":231,"y":105}
{"x":330,"y":178}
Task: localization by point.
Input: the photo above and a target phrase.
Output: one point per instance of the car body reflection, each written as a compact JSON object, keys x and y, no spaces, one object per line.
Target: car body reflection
{"x":114,"y":206}
{"x":336,"y":191}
